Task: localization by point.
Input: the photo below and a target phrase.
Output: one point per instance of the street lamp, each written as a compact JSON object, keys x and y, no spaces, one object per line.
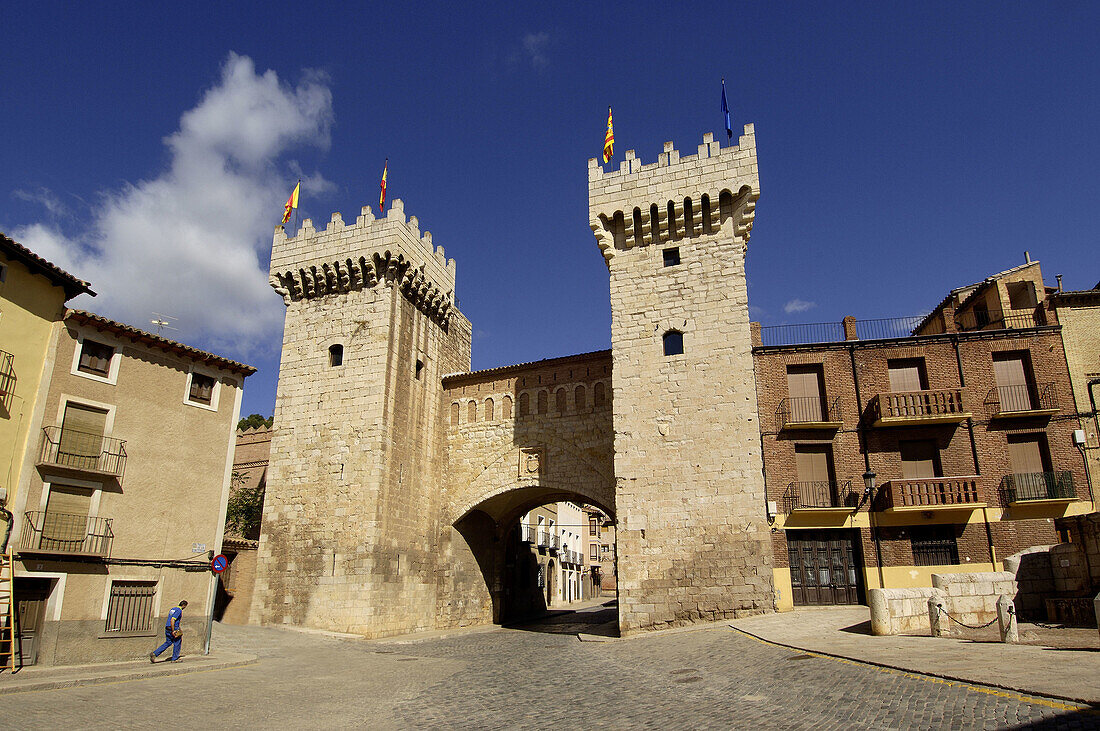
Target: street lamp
{"x":869,"y":483}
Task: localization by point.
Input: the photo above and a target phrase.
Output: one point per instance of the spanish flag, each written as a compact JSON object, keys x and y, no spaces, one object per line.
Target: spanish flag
{"x":382,"y":197}
{"x":292,"y":202}
{"x":608,"y":139}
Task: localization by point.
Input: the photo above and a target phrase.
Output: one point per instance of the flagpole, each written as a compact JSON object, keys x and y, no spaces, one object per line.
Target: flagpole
{"x":296,"y":216}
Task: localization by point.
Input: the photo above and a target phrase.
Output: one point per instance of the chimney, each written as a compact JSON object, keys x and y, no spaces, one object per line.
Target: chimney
{"x":1027,"y":257}
{"x":1059,"y":278}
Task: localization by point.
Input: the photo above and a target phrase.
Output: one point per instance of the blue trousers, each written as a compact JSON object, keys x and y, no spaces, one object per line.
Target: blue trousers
{"x":170,"y":640}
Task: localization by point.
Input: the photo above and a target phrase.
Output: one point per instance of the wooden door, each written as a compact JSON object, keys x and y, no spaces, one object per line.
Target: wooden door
{"x":30,"y":611}
{"x":815,"y":475}
{"x":824,"y":567}
{"x":919,"y":459}
{"x":907,"y":374}
{"x":1030,"y":466}
{"x":1012,"y":381}
{"x":805,"y":385}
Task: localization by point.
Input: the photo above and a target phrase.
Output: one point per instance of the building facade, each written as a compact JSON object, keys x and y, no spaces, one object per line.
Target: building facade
{"x":124,"y":492}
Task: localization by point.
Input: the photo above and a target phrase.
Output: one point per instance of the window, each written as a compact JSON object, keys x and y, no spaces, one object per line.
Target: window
{"x":559,"y":401}
{"x":578,"y":398}
{"x":674,"y":342}
{"x":671,"y":256}
{"x":524,"y":404}
{"x":1021,"y":295}
{"x":593,"y":526}
{"x":934,"y":545}
{"x":506,"y":408}
{"x":202,"y":389}
{"x":81,"y":442}
{"x":65,"y":524}
{"x":335,"y":355}
{"x":1015,"y":389}
{"x":454,"y":414}
{"x":919,"y":459}
{"x":595,"y":555}
{"x":907,"y":374}
{"x":95,"y":358}
{"x":131,"y":606}
{"x":806,"y":386}
{"x":489,"y":408}
{"x":605,"y":549}
{"x":471,"y":412}
{"x":419,"y":369}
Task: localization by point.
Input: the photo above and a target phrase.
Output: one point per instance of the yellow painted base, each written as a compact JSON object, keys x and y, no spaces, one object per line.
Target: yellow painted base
{"x":784,"y":597}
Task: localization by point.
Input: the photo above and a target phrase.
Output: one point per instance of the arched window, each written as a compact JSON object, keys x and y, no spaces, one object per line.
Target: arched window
{"x":674,"y":342}
{"x":471,"y":412}
{"x":654,"y":224}
{"x":506,"y":408}
{"x":689,"y":219}
{"x":335,"y":355}
{"x":673,"y":222}
{"x":454,"y":414}
{"x":489,"y":409}
{"x":542,"y":401}
{"x":639,"y":240}
{"x":559,"y":401}
{"x":578,"y":398}
{"x":705,"y":203}
{"x":598,"y":394}
{"x":524,"y":403}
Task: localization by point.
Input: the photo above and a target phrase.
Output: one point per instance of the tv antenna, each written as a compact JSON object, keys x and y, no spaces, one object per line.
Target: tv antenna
{"x":163,"y":322}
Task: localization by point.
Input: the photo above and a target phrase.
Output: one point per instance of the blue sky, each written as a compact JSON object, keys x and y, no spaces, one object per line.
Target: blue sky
{"x":904,"y":150}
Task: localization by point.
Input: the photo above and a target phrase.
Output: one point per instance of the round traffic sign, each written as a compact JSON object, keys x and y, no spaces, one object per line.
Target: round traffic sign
{"x":219,"y":564}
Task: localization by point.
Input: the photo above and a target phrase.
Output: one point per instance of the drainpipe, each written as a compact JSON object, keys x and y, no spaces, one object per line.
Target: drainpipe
{"x":1084,"y":447}
{"x":9,"y":523}
{"x":974,"y":454}
{"x":862,"y":438}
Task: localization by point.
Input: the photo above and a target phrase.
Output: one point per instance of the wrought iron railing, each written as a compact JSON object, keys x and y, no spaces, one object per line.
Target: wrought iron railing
{"x":885,"y":328}
{"x":52,"y":532}
{"x":930,"y":404}
{"x":543,"y":538}
{"x":830,"y":494}
{"x":1022,"y":487}
{"x":1008,"y":399}
{"x":814,"y":332}
{"x":807,"y":410}
{"x":931,"y":492}
{"x":555,"y":542}
{"x":1007,"y":320}
{"x":83,"y":451}
{"x":7,"y":374}
{"x":526,"y":533}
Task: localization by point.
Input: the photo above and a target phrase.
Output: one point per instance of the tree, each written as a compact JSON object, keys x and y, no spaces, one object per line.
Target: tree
{"x":255,"y":421}
{"x":246,"y":506}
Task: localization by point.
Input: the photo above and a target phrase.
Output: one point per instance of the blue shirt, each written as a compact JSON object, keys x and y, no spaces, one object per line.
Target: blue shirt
{"x":175,"y":614}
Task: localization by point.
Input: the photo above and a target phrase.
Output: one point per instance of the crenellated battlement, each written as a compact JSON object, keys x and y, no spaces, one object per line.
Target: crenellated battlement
{"x":677,"y":197}
{"x":343,"y":258}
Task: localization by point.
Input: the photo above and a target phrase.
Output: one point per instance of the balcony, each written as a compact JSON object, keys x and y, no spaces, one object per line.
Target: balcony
{"x":555,"y":542}
{"x":973,"y":320}
{"x":48,"y":532}
{"x":932,"y":493}
{"x":1038,"y":487}
{"x":7,"y":376}
{"x":76,"y":454}
{"x":526,"y":533}
{"x":543,"y":539}
{"x":813,"y":497}
{"x":935,"y":406}
{"x":808,"y":412}
{"x":1007,"y":402}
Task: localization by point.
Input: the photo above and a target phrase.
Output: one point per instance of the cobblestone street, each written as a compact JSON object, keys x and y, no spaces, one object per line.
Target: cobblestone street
{"x":537,"y":676}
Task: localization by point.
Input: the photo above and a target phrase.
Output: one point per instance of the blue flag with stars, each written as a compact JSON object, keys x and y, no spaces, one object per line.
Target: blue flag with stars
{"x":726,"y":114}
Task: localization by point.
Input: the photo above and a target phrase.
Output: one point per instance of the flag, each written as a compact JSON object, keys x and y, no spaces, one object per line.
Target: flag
{"x":726,"y":113}
{"x":608,"y":139}
{"x":382,"y":197}
{"x":292,"y":202}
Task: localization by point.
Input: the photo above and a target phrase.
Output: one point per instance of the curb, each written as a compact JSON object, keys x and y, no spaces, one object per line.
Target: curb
{"x":151,"y":672}
{"x":943,"y":676}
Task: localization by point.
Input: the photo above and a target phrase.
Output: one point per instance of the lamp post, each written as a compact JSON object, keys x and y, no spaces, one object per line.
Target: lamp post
{"x":869,"y":483}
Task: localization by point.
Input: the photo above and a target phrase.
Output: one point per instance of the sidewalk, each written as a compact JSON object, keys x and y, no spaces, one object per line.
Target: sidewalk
{"x":1055,"y":671}
{"x":67,"y":676}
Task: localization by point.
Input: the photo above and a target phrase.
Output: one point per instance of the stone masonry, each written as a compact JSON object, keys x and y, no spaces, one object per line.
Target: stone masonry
{"x":693,"y":539}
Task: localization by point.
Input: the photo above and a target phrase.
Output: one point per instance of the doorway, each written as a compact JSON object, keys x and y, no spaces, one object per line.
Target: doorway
{"x":31,"y":595}
{"x":825,"y":569}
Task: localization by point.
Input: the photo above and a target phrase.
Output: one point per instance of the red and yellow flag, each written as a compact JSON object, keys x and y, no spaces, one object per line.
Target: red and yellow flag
{"x":609,"y":139}
{"x":382,"y":197}
{"x":292,"y":202}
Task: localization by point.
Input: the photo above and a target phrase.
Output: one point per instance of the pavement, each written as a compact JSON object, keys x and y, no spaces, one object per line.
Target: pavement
{"x":1056,"y":663}
{"x":538,"y":675}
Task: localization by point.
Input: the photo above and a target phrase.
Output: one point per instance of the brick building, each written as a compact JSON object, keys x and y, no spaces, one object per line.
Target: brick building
{"x":963,"y":420}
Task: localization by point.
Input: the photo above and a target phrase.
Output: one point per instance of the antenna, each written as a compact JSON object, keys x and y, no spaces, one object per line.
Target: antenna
{"x":162,"y":322}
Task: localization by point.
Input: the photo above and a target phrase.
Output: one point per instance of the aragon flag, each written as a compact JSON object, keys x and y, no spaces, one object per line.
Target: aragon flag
{"x":382,"y":197}
{"x":292,"y":202}
{"x":609,"y":139}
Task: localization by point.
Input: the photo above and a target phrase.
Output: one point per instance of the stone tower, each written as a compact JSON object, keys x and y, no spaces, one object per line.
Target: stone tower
{"x":693,"y":538}
{"x":351,"y":536}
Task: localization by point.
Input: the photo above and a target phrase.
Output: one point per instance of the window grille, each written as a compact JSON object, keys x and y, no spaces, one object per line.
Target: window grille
{"x":934,"y":545}
{"x":202,"y":389}
{"x":131,"y":606}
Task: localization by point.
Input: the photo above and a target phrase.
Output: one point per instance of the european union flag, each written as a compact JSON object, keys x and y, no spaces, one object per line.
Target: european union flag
{"x":726,"y":114}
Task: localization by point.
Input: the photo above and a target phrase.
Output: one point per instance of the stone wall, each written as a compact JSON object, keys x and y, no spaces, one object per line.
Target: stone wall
{"x":970,"y":598}
{"x":693,"y":541}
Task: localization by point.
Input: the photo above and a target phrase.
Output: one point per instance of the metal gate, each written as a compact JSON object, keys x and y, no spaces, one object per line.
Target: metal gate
{"x":824,"y":567}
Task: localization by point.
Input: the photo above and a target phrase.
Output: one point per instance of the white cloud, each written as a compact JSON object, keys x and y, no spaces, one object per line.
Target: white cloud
{"x":797,"y":305}
{"x":45,"y":198}
{"x":535,"y":45}
{"x":193,"y":241}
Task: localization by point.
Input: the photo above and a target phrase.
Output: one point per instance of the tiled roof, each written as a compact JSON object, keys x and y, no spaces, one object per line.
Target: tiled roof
{"x":38,"y":265}
{"x":156,"y":341}
{"x":504,"y":370}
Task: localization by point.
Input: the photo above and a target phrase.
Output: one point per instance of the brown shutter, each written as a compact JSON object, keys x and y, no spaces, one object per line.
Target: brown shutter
{"x":812,"y":462}
{"x":905,"y":375}
{"x":81,"y":436}
{"x":1012,"y":386}
{"x":918,"y":459}
{"x":1026,"y":454}
{"x":804,"y":385}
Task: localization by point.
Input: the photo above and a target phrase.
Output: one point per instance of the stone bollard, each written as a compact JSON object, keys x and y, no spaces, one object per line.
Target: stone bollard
{"x":1006,"y":620}
{"x":880,"y":613}
{"x":937,"y":619}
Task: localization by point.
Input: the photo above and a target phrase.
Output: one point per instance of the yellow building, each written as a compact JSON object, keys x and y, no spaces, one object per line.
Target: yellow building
{"x":1079,"y":316}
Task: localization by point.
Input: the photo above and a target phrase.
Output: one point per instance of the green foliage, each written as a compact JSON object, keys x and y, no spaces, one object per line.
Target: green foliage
{"x":255,"y":421}
{"x":245,"y":509}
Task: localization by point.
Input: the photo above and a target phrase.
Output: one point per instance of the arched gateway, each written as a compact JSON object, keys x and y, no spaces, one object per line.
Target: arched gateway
{"x":395,"y":473}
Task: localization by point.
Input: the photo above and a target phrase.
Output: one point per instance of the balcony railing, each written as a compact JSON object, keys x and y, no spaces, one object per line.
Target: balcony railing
{"x":1025,"y":400}
{"x":808,"y":412}
{"x":7,"y":375}
{"x":941,"y":405}
{"x":1023,"y":487}
{"x":932,"y":492}
{"x":543,"y":538}
{"x":820,"y":496}
{"x":1007,"y":320}
{"x":49,"y":532}
{"x":526,"y":533}
{"x":555,"y":542}
{"x":82,"y":451}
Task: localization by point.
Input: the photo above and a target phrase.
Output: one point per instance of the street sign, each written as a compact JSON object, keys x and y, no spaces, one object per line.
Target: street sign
{"x":219,"y":563}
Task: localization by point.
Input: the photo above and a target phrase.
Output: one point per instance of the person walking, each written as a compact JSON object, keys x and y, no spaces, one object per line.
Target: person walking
{"x":173,"y":635}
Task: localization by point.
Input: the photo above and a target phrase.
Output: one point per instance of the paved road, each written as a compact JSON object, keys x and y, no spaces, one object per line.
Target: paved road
{"x":536,"y":677}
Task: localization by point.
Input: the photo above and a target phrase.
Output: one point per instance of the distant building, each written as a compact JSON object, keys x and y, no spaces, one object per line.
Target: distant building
{"x":236,"y":583}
